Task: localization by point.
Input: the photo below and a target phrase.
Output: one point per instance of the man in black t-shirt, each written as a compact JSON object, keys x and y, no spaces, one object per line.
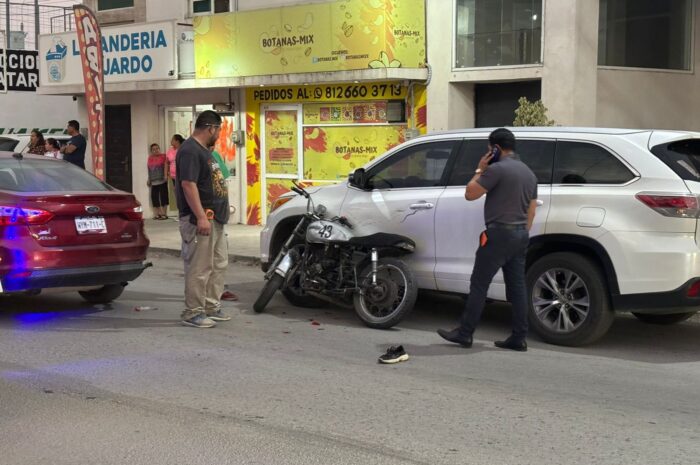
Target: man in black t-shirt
{"x":74,"y":150}
{"x":202,"y":198}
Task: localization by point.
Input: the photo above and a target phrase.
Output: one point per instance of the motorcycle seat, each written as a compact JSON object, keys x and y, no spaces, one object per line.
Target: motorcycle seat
{"x":380,"y":240}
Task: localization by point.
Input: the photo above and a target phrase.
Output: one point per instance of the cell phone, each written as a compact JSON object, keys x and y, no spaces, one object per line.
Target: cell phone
{"x":496,"y":152}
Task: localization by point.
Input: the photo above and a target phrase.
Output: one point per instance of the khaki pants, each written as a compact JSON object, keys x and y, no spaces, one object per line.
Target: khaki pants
{"x":206,"y":261}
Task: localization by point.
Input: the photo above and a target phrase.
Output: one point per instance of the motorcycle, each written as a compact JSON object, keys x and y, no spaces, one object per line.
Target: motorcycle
{"x":324,"y":261}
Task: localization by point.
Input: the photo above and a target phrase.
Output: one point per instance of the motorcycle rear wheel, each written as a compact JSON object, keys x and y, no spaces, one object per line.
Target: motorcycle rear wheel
{"x":271,"y":286}
{"x":391,"y":300}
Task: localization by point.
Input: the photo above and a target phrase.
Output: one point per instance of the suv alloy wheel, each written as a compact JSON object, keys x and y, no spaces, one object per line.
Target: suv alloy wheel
{"x":569,"y":300}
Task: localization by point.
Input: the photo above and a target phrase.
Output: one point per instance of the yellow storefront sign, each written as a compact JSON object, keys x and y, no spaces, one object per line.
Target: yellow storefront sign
{"x":333,"y":36}
{"x":328,"y":93}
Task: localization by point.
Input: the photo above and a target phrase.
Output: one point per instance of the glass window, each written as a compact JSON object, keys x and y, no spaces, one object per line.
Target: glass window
{"x":46,"y":176}
{"x":205,"y":6}
{"x":683,"y":157}
{"x":498,"y":32}
{"x":583,"y":163}
{"x":7,"y":145}
{"x":645,"y":33}
{"x":201,"y":6}
{"x":536,"y":154}
{"x":103,"y":5}
{"x":221,"y":6}
{"x":417,"y":166}
{"x":467,"y":161}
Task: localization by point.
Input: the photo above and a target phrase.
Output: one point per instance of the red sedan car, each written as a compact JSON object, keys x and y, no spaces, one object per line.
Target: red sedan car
{"x":61,"y":227}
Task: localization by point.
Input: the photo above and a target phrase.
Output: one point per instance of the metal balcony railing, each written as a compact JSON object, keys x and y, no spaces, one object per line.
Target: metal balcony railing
{"x":25,"y":22}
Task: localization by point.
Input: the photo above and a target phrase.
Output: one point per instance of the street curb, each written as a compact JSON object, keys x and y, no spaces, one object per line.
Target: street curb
{"x":233,"y":258}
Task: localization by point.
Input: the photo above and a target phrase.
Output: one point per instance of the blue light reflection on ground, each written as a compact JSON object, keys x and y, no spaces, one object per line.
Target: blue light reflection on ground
{"x":33,"y":318}
{"x":81,"y":368}
{"x":17,"y":258}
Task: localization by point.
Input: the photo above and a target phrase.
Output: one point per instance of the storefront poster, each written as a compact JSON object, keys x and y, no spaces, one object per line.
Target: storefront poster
{"x":333,"y":36}
{"x":281,"y":142}
{"x":331,"y":153}
{"x":90,"y":39}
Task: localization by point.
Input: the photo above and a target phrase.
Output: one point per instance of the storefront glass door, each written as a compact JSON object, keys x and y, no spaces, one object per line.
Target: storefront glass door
{"x":178,"y":120}
{"x":281,"y":148}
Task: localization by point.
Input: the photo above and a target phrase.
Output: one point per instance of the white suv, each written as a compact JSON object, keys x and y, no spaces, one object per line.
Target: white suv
{"x":616,"y":225}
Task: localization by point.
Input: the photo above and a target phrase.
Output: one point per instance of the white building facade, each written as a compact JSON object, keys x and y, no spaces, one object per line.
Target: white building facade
{"x":606,"y":63}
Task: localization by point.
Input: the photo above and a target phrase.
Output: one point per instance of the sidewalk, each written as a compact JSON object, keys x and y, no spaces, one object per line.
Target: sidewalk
{"x":243,"y":240}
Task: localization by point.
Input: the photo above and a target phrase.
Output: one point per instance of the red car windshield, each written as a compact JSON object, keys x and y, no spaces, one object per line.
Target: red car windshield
{"x":37,"y":175}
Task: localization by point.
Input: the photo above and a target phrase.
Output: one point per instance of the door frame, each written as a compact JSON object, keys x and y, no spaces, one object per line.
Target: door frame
{"x":263,"y":150}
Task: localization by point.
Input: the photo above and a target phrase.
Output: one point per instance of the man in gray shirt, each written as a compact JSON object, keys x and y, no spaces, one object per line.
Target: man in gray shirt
{"x":511,"y":199}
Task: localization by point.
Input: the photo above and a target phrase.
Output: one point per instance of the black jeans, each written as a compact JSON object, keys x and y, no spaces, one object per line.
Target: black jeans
{"x":506,"y":249}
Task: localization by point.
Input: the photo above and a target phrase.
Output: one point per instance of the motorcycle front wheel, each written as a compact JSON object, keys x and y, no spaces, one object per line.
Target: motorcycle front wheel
{"x":271,"y":286}
{"x":384,"y":304}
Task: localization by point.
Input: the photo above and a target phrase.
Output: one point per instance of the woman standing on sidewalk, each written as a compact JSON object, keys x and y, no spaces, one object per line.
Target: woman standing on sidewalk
{"x":158,"y":181}
{"x":175,"y":144}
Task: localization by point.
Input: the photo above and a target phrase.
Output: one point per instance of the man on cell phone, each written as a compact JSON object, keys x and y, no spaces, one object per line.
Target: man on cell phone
{"x":511,"y":199}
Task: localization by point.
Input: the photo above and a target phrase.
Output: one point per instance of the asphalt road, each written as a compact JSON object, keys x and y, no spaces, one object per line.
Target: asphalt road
{"x":93,"y":385}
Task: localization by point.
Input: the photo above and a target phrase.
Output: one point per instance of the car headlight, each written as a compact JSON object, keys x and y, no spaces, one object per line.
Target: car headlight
{"x":279,"y":202}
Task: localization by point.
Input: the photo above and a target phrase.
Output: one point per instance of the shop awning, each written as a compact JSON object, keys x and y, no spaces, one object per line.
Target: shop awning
{"x":363,"y":75}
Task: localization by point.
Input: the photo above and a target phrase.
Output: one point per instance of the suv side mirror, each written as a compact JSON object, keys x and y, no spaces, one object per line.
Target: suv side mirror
{"x":358,"y":178}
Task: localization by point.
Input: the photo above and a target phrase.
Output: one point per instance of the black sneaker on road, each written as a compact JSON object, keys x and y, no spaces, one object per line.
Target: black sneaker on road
{"x":394,"y":354}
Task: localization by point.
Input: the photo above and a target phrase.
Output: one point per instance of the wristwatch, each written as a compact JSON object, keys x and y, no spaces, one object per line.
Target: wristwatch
{"x":478,"y":171}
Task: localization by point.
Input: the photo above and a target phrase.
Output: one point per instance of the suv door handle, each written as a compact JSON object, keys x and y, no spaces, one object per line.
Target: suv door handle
{"x":540,"y":203}
{"x":421,"y":206}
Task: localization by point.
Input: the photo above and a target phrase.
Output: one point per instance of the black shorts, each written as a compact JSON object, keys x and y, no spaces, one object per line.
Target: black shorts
{"x":159,"y":195}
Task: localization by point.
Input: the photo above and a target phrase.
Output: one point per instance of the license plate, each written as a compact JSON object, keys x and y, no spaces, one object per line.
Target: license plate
{"x":91,"y":225}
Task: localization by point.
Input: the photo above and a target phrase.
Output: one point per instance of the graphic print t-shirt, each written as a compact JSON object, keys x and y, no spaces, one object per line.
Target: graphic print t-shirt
{"x":195,"y":163}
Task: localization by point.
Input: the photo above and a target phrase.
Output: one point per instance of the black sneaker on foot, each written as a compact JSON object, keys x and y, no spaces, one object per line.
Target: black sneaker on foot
{"x":394,"y":354}
{"x":512,"y":344}
{"x":456,"y":337}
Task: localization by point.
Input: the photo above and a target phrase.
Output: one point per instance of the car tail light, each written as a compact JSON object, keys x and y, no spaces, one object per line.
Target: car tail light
{"x":134,"y":214}
{"x":694,"y":290}
{"x":673,"y":205}
{"x":13,"y":216}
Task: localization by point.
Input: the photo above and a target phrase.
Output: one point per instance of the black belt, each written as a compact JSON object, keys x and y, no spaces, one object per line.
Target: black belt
{"x":513,"y":227}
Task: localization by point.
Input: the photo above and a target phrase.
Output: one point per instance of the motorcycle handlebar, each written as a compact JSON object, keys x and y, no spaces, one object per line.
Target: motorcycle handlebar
{"x":300,"y":191}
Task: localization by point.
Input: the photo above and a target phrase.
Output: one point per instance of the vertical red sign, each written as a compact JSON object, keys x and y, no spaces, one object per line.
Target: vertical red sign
{"x":90,"y":43}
